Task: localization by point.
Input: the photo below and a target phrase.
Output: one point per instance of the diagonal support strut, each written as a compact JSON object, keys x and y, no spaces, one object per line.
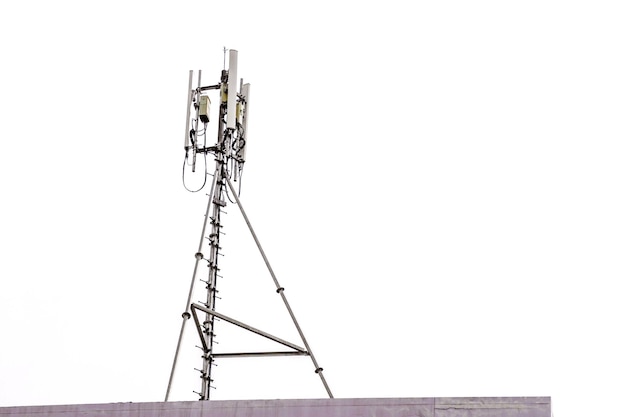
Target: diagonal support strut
{"x":214,"y":313}
{"x":318,"y":370}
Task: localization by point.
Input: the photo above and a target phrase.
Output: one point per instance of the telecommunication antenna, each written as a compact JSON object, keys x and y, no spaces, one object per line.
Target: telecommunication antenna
{"x":230,"y":155}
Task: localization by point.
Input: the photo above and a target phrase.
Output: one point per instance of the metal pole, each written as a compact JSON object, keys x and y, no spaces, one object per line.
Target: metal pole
{"x":186,"y":314}
{"x":208,"y":334}
{"x":214,"y":238}
{"x":280,"y":290}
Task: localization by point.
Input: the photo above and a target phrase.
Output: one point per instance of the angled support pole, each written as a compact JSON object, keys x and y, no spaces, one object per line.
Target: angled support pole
{"x":318,"y":370}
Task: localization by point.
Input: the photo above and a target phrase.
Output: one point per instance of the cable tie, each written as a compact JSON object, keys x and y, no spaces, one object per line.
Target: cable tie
{"x":186,"y":315}
{"x":199,"y":255}
{"x":279,"y":290}
{"x":318,"y":370}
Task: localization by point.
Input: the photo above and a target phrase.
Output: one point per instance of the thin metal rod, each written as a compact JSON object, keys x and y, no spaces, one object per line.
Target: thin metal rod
{"x":205,"y":347}
{"x":257,"y":354}
{"x":211,"y":87}
{"x":191,"y":286}
{"x":279,"y":289}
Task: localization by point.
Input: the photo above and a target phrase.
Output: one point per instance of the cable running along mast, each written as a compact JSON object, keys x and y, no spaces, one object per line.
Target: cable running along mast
{"x":229,"y":154}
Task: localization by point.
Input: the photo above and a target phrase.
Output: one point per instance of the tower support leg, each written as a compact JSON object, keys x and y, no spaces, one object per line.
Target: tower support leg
{"x":279,"y":289}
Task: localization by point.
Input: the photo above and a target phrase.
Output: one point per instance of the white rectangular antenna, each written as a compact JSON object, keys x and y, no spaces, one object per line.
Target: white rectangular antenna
{"x":189,"y":93}
{"x":245,"y":92}
{"x":231,"y":106}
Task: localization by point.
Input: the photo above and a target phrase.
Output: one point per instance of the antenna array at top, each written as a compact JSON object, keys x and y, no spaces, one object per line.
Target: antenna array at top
{"x":233,"y":111}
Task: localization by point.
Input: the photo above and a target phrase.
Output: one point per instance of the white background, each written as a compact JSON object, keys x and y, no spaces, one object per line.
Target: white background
{"x":438,"y":185}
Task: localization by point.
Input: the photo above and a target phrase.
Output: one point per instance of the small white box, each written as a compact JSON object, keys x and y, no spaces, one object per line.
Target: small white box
{"x":205,"y":108}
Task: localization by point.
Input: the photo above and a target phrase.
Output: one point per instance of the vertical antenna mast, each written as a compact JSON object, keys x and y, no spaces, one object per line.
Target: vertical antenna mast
{"x":230,"y":150}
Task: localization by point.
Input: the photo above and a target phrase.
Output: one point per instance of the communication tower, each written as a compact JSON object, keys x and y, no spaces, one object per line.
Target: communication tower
{"x":229,"y":152}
